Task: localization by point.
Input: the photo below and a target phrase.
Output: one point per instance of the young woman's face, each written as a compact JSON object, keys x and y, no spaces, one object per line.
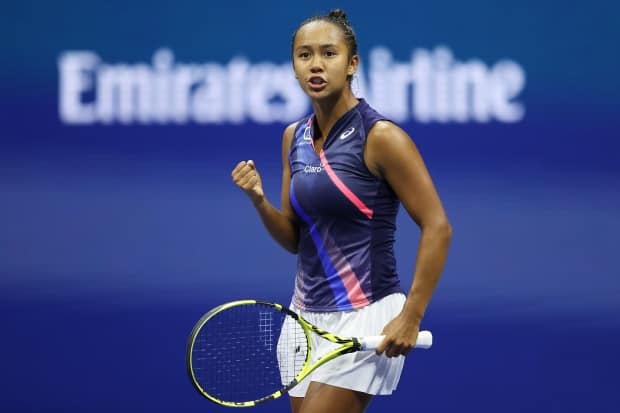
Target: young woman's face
{"x":321,"y":59}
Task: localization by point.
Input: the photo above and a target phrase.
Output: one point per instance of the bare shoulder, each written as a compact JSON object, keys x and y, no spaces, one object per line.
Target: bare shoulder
{"x":287,"y":136}
{"x":387,"y":143}
{"x":385,"y":132}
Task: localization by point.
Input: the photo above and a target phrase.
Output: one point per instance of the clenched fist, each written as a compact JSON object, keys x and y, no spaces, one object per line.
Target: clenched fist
{"x":246,"y":177}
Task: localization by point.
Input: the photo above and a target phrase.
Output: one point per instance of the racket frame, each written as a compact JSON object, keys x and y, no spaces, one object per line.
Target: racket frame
{"x":347,"y":345}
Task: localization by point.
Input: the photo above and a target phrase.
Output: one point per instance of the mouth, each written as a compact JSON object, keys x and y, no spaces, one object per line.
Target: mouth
{"x":317,"y":83}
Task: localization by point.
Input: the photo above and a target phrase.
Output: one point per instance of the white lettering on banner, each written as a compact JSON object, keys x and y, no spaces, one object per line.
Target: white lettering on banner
{"x":431,"y":87}
{"x":73,"y":82}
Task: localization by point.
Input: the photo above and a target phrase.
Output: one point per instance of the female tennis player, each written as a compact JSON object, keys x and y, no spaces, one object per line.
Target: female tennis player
{"x":345,"y":170}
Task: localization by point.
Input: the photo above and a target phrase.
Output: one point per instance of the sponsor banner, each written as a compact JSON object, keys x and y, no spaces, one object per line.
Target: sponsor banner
{"x":432,"y":87}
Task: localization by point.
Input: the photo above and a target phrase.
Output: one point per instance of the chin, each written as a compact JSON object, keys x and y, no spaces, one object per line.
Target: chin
{"x":323,"y":94}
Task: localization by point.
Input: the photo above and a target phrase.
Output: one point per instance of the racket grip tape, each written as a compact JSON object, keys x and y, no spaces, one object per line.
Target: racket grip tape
{"x":425,"y":340}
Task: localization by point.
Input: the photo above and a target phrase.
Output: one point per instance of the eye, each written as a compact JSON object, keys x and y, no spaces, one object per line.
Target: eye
{"x":303,"y":55}
{"x":330,"y":53}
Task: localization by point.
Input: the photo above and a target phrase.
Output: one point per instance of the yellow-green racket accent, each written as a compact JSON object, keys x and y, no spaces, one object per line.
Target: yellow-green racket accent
{"x":247,"y":352}
{"x":225,"y":358}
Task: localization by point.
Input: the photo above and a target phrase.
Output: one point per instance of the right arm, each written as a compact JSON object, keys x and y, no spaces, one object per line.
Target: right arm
{"x":281,"y":224}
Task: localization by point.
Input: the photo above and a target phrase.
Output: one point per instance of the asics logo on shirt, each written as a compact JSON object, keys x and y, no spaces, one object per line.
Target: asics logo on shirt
{"x":346,"y":133}
{"x":307,"y":134}
{"x":307,"y":139}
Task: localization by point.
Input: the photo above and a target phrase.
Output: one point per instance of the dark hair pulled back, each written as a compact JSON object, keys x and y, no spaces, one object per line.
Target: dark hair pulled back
{"x":339,"y":18}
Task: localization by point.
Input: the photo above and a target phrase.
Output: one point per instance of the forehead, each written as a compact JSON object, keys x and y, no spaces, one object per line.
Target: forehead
{"x":317,"y":33}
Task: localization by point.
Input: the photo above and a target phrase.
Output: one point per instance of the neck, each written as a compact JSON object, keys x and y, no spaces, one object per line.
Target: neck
{"x":328,"y":111}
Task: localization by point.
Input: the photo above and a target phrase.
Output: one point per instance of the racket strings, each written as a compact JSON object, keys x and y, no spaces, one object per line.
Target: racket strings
{"x":248,"y":352}
{"x":292,"y":350}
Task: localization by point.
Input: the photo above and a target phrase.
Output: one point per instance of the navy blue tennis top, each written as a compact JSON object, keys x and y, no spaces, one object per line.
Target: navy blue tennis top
{"x":347,"y":217}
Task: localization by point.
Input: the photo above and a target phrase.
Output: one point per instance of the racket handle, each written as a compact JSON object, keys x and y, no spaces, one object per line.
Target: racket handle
{"x":425,"y":340}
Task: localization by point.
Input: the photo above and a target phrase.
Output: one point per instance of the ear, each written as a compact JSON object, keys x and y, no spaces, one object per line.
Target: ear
{"x":353,"y":64}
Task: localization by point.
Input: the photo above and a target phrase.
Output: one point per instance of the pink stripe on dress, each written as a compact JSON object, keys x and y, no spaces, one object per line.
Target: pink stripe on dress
{"x":344,"y":189}
{"x":355,"y":294}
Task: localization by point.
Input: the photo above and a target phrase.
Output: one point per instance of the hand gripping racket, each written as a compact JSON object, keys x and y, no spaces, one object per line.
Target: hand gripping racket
{"x":247,"y":352}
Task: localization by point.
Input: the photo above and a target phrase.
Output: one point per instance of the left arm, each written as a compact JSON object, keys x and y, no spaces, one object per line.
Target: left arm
{"x":392,"y":155}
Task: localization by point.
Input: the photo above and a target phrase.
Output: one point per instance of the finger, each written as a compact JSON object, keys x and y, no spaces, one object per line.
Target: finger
{"x":249,"y":168}
{"x":251,"y":163}
{"x":396,"y":349}
{"x":251,"y":182}
{"x":238,"y":178}
{"x":241,"y":173}
{"x":391,"y":351}
{"x":238,"y":167}
{"x":245,"y":179}
{"x":400,"y":351}
{"x":404,"y":349}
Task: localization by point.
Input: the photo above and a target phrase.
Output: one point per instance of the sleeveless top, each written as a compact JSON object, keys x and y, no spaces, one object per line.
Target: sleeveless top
{"x":346,"y":218}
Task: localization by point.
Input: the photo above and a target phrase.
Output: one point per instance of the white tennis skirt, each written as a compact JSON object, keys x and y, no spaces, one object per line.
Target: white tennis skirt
{"x":361,"y":371}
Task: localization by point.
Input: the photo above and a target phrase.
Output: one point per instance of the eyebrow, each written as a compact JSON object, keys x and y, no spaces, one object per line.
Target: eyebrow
{"x":323,"y":46}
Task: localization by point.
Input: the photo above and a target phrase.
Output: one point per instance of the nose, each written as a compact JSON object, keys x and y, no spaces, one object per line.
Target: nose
{"x":316,"y":65}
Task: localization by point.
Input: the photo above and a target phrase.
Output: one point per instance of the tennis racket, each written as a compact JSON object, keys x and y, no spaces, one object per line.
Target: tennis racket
{"x":247,"y":352}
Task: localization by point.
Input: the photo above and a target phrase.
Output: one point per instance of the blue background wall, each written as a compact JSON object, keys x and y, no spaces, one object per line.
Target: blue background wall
{"x":114,"y":239}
